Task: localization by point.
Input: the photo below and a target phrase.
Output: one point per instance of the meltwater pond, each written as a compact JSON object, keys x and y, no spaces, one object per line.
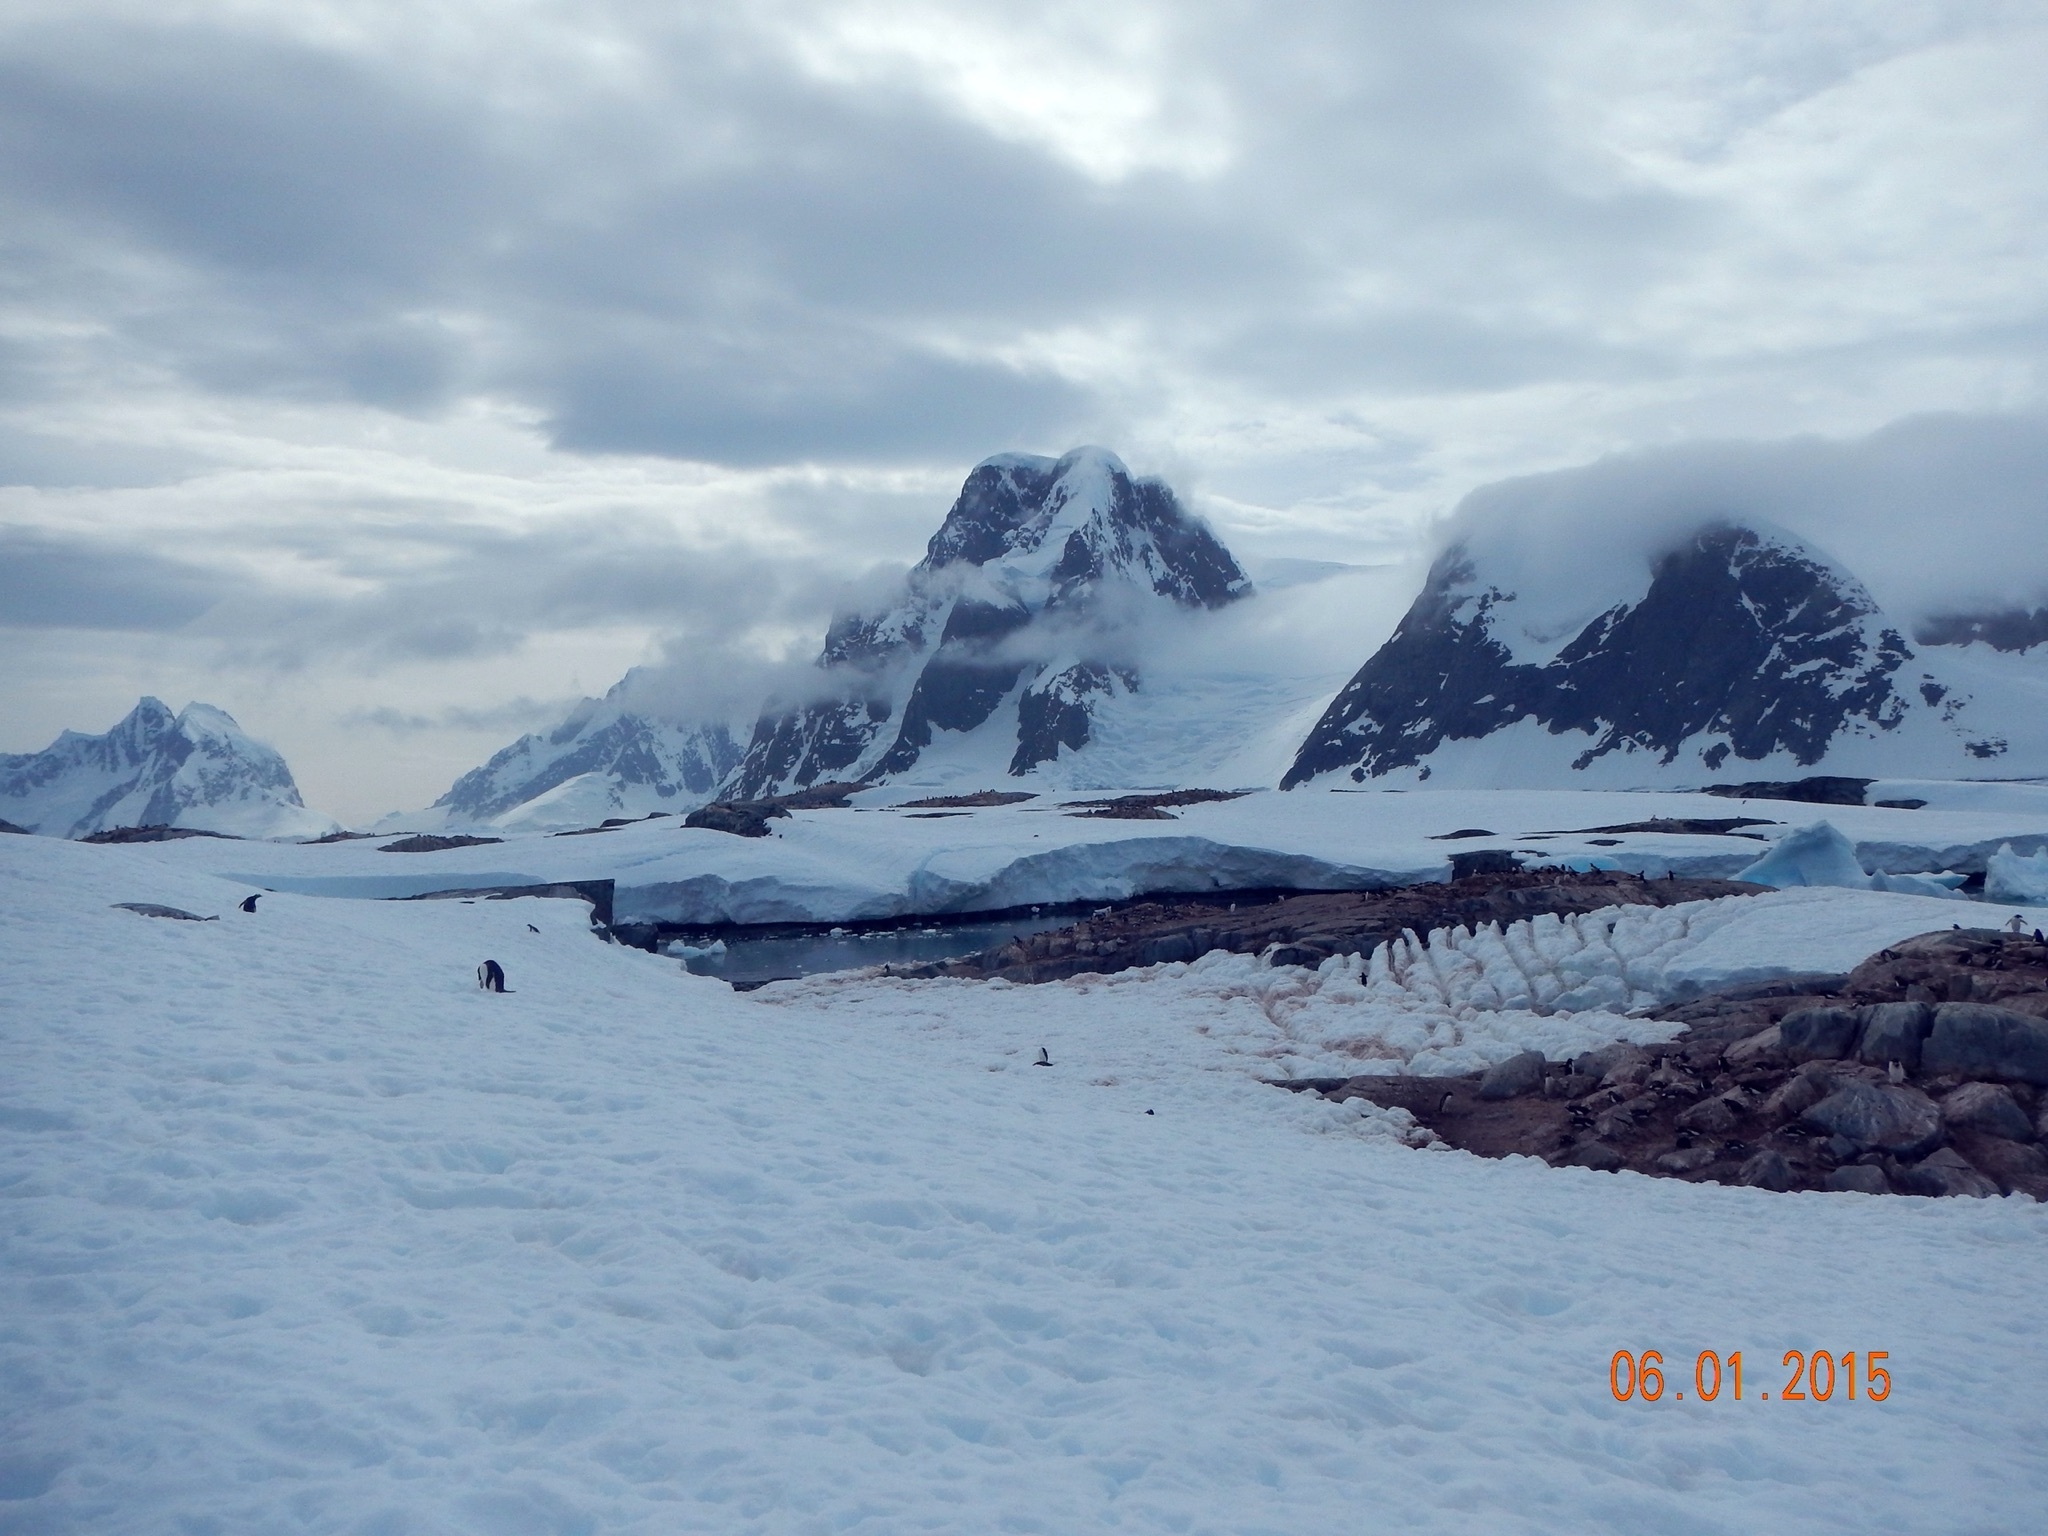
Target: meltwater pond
{"x":750,"y":961}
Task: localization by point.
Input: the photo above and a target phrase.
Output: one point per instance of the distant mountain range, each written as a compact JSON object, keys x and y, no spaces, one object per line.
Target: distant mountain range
{"x":604,"y":760}
{"x":1028,"y":644}
{"x":998,"y":658}
{"x":1740,"y":653}
{"x":197,"y":769}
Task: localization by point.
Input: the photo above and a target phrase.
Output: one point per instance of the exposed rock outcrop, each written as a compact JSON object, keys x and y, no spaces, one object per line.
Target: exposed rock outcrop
{"x":1786,"y":1088}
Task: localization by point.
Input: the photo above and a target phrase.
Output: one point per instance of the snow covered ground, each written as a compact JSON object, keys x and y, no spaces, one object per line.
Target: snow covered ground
{"x":876,"y":860}
{"x":304,"y":1232}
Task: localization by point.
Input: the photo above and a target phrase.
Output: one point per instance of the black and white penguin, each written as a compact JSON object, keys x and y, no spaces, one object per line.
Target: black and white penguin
{"x":491,"y":976}
{"x":1043,"y":1059}
{"x":249,"y":902}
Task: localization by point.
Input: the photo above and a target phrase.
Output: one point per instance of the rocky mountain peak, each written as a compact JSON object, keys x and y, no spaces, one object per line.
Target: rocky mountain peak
{"x":1739,"y":644}
{"x":1034,"y":563}
{"x":1071,"y":522}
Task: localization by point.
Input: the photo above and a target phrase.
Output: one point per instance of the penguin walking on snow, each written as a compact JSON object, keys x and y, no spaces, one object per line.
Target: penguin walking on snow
{"x":1043,"y":1059}
{"x":491,"y":976}
{"x":249,"y":902}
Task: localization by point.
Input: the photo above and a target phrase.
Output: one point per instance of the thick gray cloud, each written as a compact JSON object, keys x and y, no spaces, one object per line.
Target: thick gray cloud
{"x":746,"y":264}
{"x":1935,"y":514}
{"x":343,"y":343}
{"x":50,"y":582}
{"x":464,"y":592}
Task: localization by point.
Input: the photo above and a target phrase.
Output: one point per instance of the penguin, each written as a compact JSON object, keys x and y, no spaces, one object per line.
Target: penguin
{"x":1043,"y":1059}
{"x":2016,"y":926}
{"x":491,"y":976}
{"x":249,"y":902}
{"x":1895,"y":1072}
{"x":531,"y":929}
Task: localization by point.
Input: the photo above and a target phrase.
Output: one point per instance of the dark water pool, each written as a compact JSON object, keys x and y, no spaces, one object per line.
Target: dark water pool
{"x":749,"y":962}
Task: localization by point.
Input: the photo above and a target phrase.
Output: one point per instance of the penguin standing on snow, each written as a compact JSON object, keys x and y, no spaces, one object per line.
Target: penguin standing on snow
{"x":249,"y":902}
{"x":1043,"y":1059}
{"x":491,"y":976}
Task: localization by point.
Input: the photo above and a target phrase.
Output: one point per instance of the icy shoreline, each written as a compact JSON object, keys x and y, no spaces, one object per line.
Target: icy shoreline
{"x":874,"y":861}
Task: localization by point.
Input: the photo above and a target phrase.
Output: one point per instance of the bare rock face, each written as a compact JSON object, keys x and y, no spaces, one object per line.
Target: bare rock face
{"x":1878,"y":1117}
{"x":2016,"y":1167}
{"x":1816,"y":1034}
{"x":1990,"y":1108}
{"x":1946,"y":1172}
{"x":1894,"y":1032}
{"x":1980,"y":1040}
{"x":1859,"y":1178}
{"x":1768,"y":1170}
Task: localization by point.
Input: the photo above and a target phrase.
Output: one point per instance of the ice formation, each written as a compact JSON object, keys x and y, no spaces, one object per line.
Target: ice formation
{"x":2010,"y":876}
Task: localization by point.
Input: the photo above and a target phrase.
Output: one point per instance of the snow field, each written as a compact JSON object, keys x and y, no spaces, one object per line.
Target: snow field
{"x":303,"y":1232}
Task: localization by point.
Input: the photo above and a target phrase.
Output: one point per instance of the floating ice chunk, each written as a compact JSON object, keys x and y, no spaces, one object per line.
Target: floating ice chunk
{"x":676,"y":949}
{"x":1811,"y":855}
{"x":2021,"y":877}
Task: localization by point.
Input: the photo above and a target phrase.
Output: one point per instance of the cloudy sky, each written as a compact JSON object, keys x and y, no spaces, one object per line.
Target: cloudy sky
{"x":391,"y":374}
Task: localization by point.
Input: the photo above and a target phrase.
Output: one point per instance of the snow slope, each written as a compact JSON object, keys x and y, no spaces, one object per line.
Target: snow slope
{"x":305,"y":1232}
{"x":195,"y":769}
{"x":877,"y":860}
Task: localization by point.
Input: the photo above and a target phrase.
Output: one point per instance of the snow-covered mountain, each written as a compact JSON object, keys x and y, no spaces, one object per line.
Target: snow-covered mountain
{"x":1734,"y":652}
{"x":197,"y":769}
{"x":606,"y":759}
{"x":1008,"y":640}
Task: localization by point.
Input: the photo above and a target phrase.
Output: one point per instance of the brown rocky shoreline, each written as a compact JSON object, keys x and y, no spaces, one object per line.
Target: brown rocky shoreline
{"x":1920,"y":1072}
